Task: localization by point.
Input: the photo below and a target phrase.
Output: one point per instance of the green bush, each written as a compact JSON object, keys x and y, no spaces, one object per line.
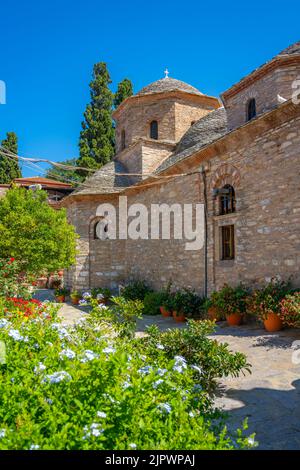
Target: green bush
{"x":100,"y":292}
{"x":87,"y":387}
{"x":230,"y":299}
{"x":136,"y":290}
{"x":213,"y":359}
{"x":152,"y":302}
{"x":188,"y":302}
{"x":36,"y":235}
{"x":13,"y":283}
{"x":268,"y":298}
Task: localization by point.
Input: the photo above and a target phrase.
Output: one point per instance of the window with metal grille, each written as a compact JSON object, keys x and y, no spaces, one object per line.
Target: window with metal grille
{"x":251,"y":109}
{"x":227,"y":200}
{"x":227,"y":242}
{"x":154,"y":130}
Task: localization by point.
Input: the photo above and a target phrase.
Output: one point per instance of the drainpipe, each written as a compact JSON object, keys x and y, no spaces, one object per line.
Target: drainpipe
{"x":203,"y":173}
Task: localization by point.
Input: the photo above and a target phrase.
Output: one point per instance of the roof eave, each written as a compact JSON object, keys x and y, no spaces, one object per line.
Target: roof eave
{"x":209,"y":100}
{"x":258,"y":73}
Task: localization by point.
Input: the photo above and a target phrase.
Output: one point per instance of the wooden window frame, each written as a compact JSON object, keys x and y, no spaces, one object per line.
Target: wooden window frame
{"x":227,"y":242}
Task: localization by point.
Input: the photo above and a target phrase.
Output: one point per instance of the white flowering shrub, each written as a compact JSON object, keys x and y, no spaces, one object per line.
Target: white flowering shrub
{"x":89,"y":387}
{"x":208,"y":358}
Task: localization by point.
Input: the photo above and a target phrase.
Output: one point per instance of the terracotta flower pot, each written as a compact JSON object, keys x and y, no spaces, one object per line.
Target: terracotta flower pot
{"x":273,"y":322}
{"x":178,"y":317}
{"x":165,"y":312}
{"x":234,"y":319}
{"x":60,"y":299}
{"x":75,"y":301}
{"x":213,"y":314}
{"x":41,"y":283}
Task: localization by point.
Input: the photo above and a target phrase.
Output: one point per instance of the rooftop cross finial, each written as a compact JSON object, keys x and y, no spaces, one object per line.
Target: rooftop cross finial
{"x":166,"y":72}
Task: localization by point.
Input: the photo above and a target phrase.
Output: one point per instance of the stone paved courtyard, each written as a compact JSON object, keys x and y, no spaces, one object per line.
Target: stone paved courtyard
{"x":269,"y":397}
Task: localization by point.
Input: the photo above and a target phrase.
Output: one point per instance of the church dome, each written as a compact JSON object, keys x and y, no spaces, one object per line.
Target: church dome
{"x":168,"y":84}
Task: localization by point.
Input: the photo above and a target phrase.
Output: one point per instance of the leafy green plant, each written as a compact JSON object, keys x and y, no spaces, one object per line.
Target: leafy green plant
{"x":13,"y":282}
{"x":267,"y":299}
{"x":152,"y":302}
{"x":62,"y":291}
{"x":211,"y":302}
{"x":168,"y":302}
{"x":135,"y":290}
{"x":212,"y":360}
{"x":75,"y":295}
{"x":188,"y":303}
{"x":290,"y":310}
{"x":229,"y":300}
{"x":86,"y":386}
{"x":126,"y":313}
{"x":36,"y":235}
{"x":96,"y":292}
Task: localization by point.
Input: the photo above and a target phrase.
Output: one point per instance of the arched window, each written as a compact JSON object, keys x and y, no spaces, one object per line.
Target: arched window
{"x":227,"y":200}
{"x":154,"y":130}
{"x":123,"y":140}
{"x":100,"y":230}
{"x":251,"y":109}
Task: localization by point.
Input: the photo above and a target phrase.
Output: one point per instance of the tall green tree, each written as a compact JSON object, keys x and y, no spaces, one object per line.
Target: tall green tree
{"x":97,"y":135}
{"x":125,"y":89}
{"x":36,"y":235}
{"x":66,"y":176}
{"x":9,"y":167}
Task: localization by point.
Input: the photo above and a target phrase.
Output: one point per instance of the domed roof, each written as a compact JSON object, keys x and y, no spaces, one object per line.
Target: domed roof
{"x":291,"y":50}
{"x":168,"y":84}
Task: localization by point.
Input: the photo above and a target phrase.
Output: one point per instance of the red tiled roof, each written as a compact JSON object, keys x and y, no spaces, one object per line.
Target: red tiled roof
{"x":45,"y":182}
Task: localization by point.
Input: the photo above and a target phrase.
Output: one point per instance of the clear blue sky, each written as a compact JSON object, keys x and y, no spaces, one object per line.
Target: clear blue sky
{"x":48,"y":49}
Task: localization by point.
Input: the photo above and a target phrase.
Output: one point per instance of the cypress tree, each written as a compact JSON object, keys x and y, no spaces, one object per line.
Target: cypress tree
{"x":9,"y":167}
{"x":125,"y":89}
{"x":96,"y":142}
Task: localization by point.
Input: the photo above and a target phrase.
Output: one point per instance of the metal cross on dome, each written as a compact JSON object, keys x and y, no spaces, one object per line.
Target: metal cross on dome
{"x":166,"y":72}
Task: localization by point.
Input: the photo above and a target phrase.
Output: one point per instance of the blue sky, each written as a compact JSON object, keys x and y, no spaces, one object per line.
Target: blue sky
{"x":48,"y":50}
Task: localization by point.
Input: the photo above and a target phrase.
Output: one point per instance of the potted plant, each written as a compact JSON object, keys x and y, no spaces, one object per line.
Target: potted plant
{"x":231,"y":301}
{"x":167,"y":305}
{"x":102,"y":295}
{"x":191,"y":304}
{"x":290,"y":310}
{"x":75,"y":297}
{"x":210,"y":307}
{"x":41,"y":283}
{"x":60,"y":294}
{"x":178,"y":306}
{"x":265,"y":304}
{"x":55,"y":282}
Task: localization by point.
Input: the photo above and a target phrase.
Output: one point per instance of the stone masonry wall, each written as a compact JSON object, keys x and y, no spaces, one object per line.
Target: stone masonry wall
{"x":265,"y":91}
{"x":264,"y":171}
{"x":145,"y":155}
{"x":174,"y":117}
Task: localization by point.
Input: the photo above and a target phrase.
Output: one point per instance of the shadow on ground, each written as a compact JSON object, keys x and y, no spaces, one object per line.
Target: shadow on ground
{"x":273,"y":415}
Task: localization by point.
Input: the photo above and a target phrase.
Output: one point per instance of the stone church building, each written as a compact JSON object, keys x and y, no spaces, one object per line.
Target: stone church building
{"x":240,"y":156}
